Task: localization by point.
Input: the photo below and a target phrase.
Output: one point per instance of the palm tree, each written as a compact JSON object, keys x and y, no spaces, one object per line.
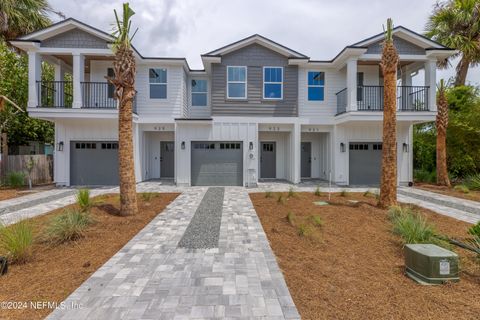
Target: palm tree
{"x":456,"y":24}
{"x":389,"y":63}
{"x":18,"y":17}
{"x":442,"y":124}
{"x":124,"y":82}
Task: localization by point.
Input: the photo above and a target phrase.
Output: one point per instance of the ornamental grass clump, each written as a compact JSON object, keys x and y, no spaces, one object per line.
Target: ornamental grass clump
{"x":291,"y":218}
{"x":462,"y":188}
{"x":317,"y":192}
{"x":291,"y":192}
{"x":84,"y":202}
{"x":268,"y":194}
{"x":16,"y":241}
{"x":68,"y":226}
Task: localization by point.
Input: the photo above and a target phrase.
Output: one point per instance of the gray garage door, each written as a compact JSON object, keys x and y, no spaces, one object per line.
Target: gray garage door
{"x":365,"y":163}
{"x":94,"y":163}
{"x":217,"y":163}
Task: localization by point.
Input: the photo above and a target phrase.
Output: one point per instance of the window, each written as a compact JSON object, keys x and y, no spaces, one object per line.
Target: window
{"x":110,"y":145}
{"x":237,"y":82}
{"x":316,"y":86}
{"x":233,"y":146}
{"x":199,"y":93}
{"x":204,"y":146}
{"x":85,"y":145}
{"x":111,"y":87}
{"x":272,"y":83}
{"x":359,"y":86}
{"x":158,"y":83}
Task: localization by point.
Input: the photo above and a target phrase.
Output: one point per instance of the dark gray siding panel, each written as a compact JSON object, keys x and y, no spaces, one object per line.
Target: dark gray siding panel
{"x":75,"y":38}
{"x":255,"y":57}
{"x":403,"y":47}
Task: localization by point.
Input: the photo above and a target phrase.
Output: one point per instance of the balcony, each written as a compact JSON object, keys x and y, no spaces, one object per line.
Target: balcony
{"x":370,"y":98}
{"x":95,"y":95}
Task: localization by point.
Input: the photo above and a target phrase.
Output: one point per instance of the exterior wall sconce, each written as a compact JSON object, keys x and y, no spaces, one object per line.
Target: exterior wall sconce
{"x":183,"y":145}
{"x":250,"y":145}
{"x":342,"y":147}
{"x":405,"y":147}
{"x":60,"y":146}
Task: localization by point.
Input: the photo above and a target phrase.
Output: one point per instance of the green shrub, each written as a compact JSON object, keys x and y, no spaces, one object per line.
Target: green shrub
{"x":367,"y":193}
{"x":68,"y":226}
{"x":84,"y":201}
{"x":317,"y":192}
{"x":15,"y":179}
{"x":268,"y":194}
{"x":16,"y":241}
{"x":343,"y":193}
{"x":280,"y":199}
{"x":475,"y":230}
{"x":462,"y":188}
{"x":148,"y":196}
{"x":473,"y":182}
{"x":412,"y":226}
{"x":422,"y":175}
{"x":304,"y":230}
{"x":291,"y":192}
{"x":317,"y":220}
{"x":291,"y":218}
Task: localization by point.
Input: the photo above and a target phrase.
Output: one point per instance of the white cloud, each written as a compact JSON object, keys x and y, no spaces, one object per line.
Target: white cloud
{"x":317,"y":28}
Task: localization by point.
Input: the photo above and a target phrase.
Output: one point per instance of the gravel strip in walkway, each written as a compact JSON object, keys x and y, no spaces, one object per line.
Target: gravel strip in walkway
{"x":204,"y":229}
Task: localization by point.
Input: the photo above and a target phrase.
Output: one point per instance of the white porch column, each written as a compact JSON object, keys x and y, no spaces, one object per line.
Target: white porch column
{"x":78,"y":77}
{"x":406,"y":77}
{"x":34,"y":75}
{"x":431,"y":82}
{"x":352,"y":85}
{"x":296,"y":146}
{"x":137,"y":151}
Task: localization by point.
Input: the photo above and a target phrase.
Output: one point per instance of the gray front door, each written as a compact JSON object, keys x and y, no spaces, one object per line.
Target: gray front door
{"x":93,"y":163}
{"x":167,"y":159}
{"x":268,"y":160}
{"x":365,"y":161}
{"x":306,"y":160}
{"x":217,"y":163}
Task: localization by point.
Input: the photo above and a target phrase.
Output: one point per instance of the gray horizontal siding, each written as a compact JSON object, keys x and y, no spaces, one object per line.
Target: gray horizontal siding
{"x":255,"y":57}
{"x":75,"y":38}
{"x":403,"y":47}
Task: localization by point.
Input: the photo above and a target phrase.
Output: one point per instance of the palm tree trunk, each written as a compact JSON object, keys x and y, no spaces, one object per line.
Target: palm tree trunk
{"x":388,"y":182}
{"x":442,"y":125}
{"x":128,"y":193}
{"x":462,"y":70}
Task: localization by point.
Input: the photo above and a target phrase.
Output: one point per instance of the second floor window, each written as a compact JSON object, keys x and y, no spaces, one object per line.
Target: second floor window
{"x":158,"y":83}
{"x":272,"y":83}
{"x":199,"y":93}
{"x":236,"y":82}
{"x":316,"y":86}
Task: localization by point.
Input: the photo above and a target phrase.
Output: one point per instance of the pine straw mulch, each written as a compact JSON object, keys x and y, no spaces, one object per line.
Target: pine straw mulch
{"x":56,"y":271}
{"x":471,"y":195}
{"x":10,"y":193}
{"x":354,"y":267}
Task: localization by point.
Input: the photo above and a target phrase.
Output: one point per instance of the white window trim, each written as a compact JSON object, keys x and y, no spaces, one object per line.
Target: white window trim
{"x":317,"y":86}
{"x":281,"y":83}
{"x":158,"y":83}
{"x":245,"y":82}
{"x":203,"y":92}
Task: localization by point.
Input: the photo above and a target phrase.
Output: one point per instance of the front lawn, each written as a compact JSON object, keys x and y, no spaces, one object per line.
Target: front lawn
{"x":56,"y":269}
{"x":350,"y":265}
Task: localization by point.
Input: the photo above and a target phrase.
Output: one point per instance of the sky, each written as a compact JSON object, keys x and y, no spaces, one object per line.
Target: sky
{"x":317,"y":28}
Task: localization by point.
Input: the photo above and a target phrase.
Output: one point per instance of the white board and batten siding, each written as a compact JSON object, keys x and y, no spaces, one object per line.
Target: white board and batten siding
{"x":371,"y":132}
{"x":244,"y":132}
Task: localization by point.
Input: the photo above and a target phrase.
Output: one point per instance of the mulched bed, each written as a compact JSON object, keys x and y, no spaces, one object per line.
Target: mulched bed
{"x":354,"y":269}
{"x":472,"y":195}
{"x":10,"y":193}
{"x":56,"y":271}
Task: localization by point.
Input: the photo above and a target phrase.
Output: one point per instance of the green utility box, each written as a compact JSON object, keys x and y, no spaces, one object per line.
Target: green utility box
{"x":430,"y":264}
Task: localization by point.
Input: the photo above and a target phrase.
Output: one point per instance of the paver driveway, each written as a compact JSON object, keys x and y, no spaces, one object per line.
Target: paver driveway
{"x":153,"y":278}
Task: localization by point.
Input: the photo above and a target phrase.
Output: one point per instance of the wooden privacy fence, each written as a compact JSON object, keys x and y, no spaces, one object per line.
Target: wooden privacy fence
{"x":42,"y":171}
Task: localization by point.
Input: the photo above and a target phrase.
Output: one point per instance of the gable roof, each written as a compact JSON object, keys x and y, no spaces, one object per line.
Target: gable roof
{"x":258,"y":39}
{"x":406,"y":34}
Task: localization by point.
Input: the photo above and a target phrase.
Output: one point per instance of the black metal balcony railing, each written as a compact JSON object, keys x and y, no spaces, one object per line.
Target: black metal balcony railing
{"x":98,"y":95}
{"x":370,"y":98}
{"x":55,"y":94}
{"x":95,"y":95}
{"x":342,"y":101}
